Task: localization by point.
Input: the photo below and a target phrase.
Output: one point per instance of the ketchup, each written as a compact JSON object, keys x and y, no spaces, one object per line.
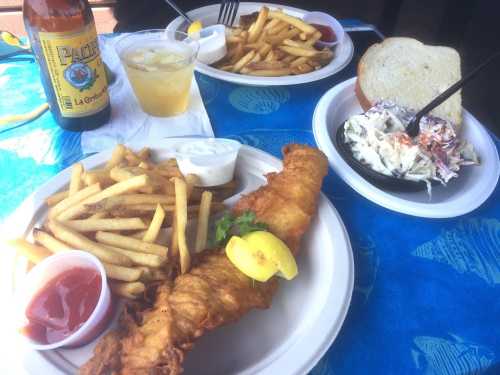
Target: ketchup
{"x":63,"y":305}
{"x":327,"y":33}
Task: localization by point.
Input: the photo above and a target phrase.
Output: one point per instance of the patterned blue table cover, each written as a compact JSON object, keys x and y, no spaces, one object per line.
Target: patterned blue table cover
{"x":427,"y":291}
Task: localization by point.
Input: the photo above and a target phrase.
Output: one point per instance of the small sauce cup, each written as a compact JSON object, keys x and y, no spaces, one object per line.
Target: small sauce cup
{"x":212,"y":159}
{"x":324,"y":19}
{"x":212,"y":40}
{"x":42,"y":275}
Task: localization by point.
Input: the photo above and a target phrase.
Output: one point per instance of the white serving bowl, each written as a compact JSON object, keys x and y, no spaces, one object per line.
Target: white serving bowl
{"x":462,"y":195}
{"x":208,"y":16}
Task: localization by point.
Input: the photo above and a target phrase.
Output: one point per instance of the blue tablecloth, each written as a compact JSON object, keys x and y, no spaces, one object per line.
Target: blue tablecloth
{"x":427,"y":291}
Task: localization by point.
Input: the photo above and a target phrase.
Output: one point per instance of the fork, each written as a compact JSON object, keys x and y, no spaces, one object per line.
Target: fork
{"x":227,"y":12}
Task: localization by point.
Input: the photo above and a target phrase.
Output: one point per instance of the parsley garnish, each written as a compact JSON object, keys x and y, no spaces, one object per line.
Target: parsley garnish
{"x":229,"y":225}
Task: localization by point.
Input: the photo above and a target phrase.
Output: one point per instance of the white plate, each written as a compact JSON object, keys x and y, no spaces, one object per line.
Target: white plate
{"x":208,"y":15}
{"x":289,"y":338}
{"x":462,"y":195}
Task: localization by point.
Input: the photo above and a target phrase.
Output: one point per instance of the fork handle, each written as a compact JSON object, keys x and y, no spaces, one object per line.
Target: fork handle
{"x":179,"y":10}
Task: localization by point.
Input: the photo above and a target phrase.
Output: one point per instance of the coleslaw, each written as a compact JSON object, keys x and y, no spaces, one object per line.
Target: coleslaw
{"x":377,"y":139}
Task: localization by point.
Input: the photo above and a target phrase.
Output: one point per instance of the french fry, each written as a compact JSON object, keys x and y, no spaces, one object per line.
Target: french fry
{"x":294,"y":21}
{"x":140,"y":259}
{"x":144,"y":207}
{"x":168,"y":171}
{"x":192,"y":209}
{"x":234,"y":39}
{"x":202,"y":225}
{"x":132,"y":159}
{"x":294,"y":43}
{"x":181,"y":222}
{"x":74,"y":199}
{"x":243,"y":61}
{"x":298,"y":51}
{"x":99,"y":215}
{"x":134,"y":183}
{"x":235,"y":31}
{"x":237,"y":54}
{"x":144,"y":153}
{"x":157,"y":182}
{"x":127,"y":290}
{"x":264,"y":49}
{"x":271,"y":24}
{"x":56,"y":198}
{"x":75,"y":183}
{"x":303,"y":68}
{"x":145,"y":165}
{"x":285,"y":34}
{"x":79,"y":241}
{"x":299,"y":61}
{"x":34,"y":253}
{"x":265,"y":65}
{"x":51,"y":243}
{"x":192,"y":180}
{"x":254,"y":46}
{"x":153,"y":274}
{"x":97,"y":176}
{"x":271,"y":72}
{"x":277,"y":28}
{"x":130,"y":243}
{"x":155,"y":226}
{"x":116,"y":224}
{"x":267,"y":36}
{"x":122,"y":273}
{"x":270,"y":56}
{"x":116,"y":157}
{"x":227,"y":68}
{"x":257,"y":28}
{"x":313,"y":39}
{"x":131,"y":199}
{"x":287,"y":60}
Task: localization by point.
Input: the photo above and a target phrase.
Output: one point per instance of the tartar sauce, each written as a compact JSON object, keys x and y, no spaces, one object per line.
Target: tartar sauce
{"x":213,"y":159}
{"x":212,"y":41}
{"x":377,"y":138}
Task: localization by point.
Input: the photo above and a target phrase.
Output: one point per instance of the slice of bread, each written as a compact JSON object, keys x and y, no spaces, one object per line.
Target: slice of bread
{"x":410,"y":74}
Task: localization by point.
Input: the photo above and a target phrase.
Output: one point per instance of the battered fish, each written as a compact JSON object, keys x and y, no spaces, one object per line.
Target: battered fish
{"x":154,"y":339}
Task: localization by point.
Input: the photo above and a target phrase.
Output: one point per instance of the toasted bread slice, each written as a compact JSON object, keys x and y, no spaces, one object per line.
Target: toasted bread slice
{"x":410,"y":74}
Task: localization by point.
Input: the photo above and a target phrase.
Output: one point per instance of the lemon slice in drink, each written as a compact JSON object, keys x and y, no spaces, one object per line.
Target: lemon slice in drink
{"x":260,"y":255}
{"x":194,"y":28}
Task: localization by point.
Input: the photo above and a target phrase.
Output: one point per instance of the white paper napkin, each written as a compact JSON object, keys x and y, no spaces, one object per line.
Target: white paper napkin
{"x":129,"y":124}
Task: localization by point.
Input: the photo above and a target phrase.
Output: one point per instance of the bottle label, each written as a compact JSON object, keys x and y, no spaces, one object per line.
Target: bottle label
{"x":76,"y":70}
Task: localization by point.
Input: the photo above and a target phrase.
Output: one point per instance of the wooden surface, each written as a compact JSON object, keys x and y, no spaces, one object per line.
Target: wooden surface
{"x":13,"y":21}
{"x":18,"y":4}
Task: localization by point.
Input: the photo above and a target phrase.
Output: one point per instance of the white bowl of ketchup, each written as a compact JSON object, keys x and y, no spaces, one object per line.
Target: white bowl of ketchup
{"x":64,"y":301}
{"x":332,"y":32}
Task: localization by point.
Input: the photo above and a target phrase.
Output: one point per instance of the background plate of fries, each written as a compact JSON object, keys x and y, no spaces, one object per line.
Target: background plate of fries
{"x":277,"y":48}
{"x":126,"y":220}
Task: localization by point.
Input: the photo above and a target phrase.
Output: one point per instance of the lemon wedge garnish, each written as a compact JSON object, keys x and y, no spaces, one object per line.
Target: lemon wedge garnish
{"x":194,"y":28}
{"x":260,"y":255}
{"x":11,"y":39}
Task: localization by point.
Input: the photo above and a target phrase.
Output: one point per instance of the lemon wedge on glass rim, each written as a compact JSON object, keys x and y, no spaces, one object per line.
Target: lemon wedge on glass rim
{"x":260,"y":255}
{"x":194,"y":28}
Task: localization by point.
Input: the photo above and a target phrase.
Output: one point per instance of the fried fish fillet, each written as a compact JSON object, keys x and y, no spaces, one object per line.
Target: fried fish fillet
{"x":154,"y":339}
{"x":288,"y":202}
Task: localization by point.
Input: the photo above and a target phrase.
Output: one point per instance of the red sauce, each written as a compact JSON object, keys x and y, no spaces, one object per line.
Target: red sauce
{"x":327,"y":33}
{"x":63,"y":305}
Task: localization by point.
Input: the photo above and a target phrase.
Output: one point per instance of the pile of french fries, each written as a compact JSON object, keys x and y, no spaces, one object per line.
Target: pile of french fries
{"x":275,"y":44}
{"x":122,"y":214}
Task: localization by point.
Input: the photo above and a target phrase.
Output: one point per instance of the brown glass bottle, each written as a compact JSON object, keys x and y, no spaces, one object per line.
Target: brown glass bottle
{"x":64,"y":39}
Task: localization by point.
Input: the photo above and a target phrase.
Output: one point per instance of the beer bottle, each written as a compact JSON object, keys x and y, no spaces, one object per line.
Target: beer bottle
{"x":64,"y":39}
